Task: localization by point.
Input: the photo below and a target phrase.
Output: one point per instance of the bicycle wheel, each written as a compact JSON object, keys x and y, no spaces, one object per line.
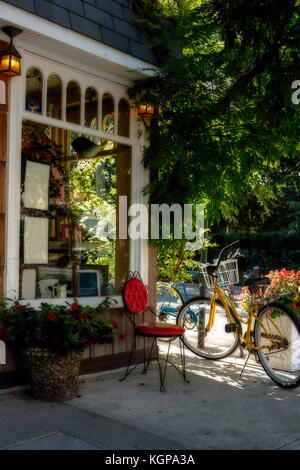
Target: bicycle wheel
{"x":169,"y":300}
{"x":278,"y":333}
{"x":214,"y":344}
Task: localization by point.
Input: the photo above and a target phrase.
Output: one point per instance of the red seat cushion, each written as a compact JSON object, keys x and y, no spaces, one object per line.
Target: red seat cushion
{"x":159,"y":329}
{"x":135,"y":296}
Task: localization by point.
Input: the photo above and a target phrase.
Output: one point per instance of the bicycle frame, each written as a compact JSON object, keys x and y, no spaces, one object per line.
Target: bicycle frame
{"x":233,"y":315}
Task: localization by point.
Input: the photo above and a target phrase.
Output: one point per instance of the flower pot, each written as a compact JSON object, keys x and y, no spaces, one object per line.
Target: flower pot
{"x":52,"y":377}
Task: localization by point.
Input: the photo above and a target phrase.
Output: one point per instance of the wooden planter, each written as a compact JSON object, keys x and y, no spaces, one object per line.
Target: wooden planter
{"x":52,"y":377}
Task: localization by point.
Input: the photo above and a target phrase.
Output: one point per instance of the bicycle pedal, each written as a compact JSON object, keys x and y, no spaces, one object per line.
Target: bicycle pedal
{"x":230,"y":327}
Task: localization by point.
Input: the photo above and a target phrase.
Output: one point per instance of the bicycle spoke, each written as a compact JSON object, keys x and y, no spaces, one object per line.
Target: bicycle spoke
{"x":277,"y":333}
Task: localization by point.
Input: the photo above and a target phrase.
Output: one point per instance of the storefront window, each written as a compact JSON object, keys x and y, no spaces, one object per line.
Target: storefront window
{"x":73,"y":103}
{"x":69,"y":214}
{"x":123,"y":118}
{"x":34,"y":90}
{"x":54,"y":97}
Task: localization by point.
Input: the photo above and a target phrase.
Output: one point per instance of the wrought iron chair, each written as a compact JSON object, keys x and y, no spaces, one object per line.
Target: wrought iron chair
{"x":135,"y":298}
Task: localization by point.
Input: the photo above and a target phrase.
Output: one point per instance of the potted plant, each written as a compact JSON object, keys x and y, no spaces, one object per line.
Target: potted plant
{"x":52,"y":339}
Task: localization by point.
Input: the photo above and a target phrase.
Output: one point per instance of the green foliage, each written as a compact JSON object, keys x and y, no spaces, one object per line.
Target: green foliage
{"x":226,"y":118}
{"x":92,"y":192}
{"x":174,"y":260}
{"x":62,"y":329}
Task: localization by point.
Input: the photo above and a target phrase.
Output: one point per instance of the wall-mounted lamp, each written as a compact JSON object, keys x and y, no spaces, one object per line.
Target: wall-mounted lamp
{"x":10,"y":59}
{"x":146,"y":111}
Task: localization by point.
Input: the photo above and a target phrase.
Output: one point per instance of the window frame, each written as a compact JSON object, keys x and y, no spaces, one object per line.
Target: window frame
{"x":139,"y":175}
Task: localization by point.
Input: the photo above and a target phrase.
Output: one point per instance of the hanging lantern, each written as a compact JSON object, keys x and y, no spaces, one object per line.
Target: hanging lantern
{"x":146,"y":111}
{"x":10,"y":59}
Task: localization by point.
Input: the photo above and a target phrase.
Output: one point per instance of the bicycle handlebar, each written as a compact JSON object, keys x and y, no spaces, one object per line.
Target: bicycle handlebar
{"x":226,"y":248}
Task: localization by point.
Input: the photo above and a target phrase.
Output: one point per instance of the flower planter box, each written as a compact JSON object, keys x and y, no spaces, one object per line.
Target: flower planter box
{"x":52,"y":377}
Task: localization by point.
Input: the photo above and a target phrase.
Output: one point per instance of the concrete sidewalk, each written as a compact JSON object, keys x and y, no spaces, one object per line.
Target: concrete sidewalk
{"x":218,"y":409}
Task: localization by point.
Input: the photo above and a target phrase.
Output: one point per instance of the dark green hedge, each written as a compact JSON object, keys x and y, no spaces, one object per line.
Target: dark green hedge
{"x":269,"y":250}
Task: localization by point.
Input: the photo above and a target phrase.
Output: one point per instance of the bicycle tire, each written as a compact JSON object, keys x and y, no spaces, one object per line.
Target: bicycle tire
{"x":279,"y":365}
{"x":227,"y":344}
{"x":165,"y":317}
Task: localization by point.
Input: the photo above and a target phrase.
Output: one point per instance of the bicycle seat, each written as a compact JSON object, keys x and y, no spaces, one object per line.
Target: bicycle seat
{"x":211,"y":269}
{"x":257,"y":281}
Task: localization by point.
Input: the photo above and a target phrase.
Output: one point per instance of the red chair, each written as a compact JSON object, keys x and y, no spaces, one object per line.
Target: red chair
{"x":135,"y":298}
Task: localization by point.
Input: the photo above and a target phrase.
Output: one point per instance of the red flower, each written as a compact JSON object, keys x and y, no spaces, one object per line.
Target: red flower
{"x":82,"y":316}
{"x":75,"y":306}
{"x":294,"y":306}
{"x":4,"y":335}
{"x":122,"y":337}
{"x":51,"y":317}
{"x":20,"y":308}
{"x":115,"y":325}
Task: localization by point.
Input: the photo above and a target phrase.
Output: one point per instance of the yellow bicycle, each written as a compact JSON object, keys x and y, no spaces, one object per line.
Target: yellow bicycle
{"x":270,"y":329}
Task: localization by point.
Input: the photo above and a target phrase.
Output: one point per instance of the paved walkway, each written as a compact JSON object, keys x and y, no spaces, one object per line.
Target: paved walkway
{"x":219,"y":409}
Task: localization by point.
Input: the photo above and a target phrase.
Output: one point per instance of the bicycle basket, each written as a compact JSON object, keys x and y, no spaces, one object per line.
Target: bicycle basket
{"x":228,"y":274}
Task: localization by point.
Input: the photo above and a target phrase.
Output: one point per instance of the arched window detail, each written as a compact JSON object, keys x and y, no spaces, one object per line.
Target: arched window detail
{"x":108,"y":114}
{"x":54,"y":97}
{"x":73,"y":103}
{"x":123,"y":118}
{"x":91,"y":107}
{"x":34,"y":90}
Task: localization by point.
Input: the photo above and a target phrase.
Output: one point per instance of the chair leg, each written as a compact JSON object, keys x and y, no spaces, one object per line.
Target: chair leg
{"x":129,"y":360}
{"x":182,"y":353}
{"x":162,"y":375}
{"x":149,"y":357}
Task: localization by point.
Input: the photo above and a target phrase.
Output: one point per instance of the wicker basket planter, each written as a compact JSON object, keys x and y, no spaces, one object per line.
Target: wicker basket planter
{"x":52,"y":377}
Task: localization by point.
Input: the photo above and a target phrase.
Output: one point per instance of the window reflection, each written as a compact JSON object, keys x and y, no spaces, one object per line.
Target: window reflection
{"x":73,"y":103}
{"x":54,"y":97}
{"x":34,"y":90}
{"x":123,"y":118}
{"x":91,"y":108}
{"x":107,"y":114}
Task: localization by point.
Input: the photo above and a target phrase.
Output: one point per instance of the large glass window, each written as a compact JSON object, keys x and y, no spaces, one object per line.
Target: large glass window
{"x":69,"y":214}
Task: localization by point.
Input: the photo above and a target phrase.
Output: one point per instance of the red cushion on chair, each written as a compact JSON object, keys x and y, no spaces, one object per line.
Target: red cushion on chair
{"x":159,"y":329}
{"x":135,"y":296}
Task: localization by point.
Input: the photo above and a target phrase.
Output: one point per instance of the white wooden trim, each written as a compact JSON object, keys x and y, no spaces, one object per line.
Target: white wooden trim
{"x":13,"y":188}
{"x":139,"y":252}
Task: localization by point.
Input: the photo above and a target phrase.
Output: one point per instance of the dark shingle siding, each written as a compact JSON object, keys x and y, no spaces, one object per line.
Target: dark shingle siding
{"x":98,"y":16}
{"x":111,"y":7}
{"x":53,"y":12}
{"x":115,"y":40}
{"x":72,"y":5}
{"x":24,"y":4}
{"x":127,"y":29}
{"x":129,"y":16}
{"x":143,"y":52}
{"x":85,"y":27}
{"x":109,"y":21}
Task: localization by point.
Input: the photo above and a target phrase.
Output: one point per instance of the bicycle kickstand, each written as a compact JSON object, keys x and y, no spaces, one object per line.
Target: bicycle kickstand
{"x":245,"y":363}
